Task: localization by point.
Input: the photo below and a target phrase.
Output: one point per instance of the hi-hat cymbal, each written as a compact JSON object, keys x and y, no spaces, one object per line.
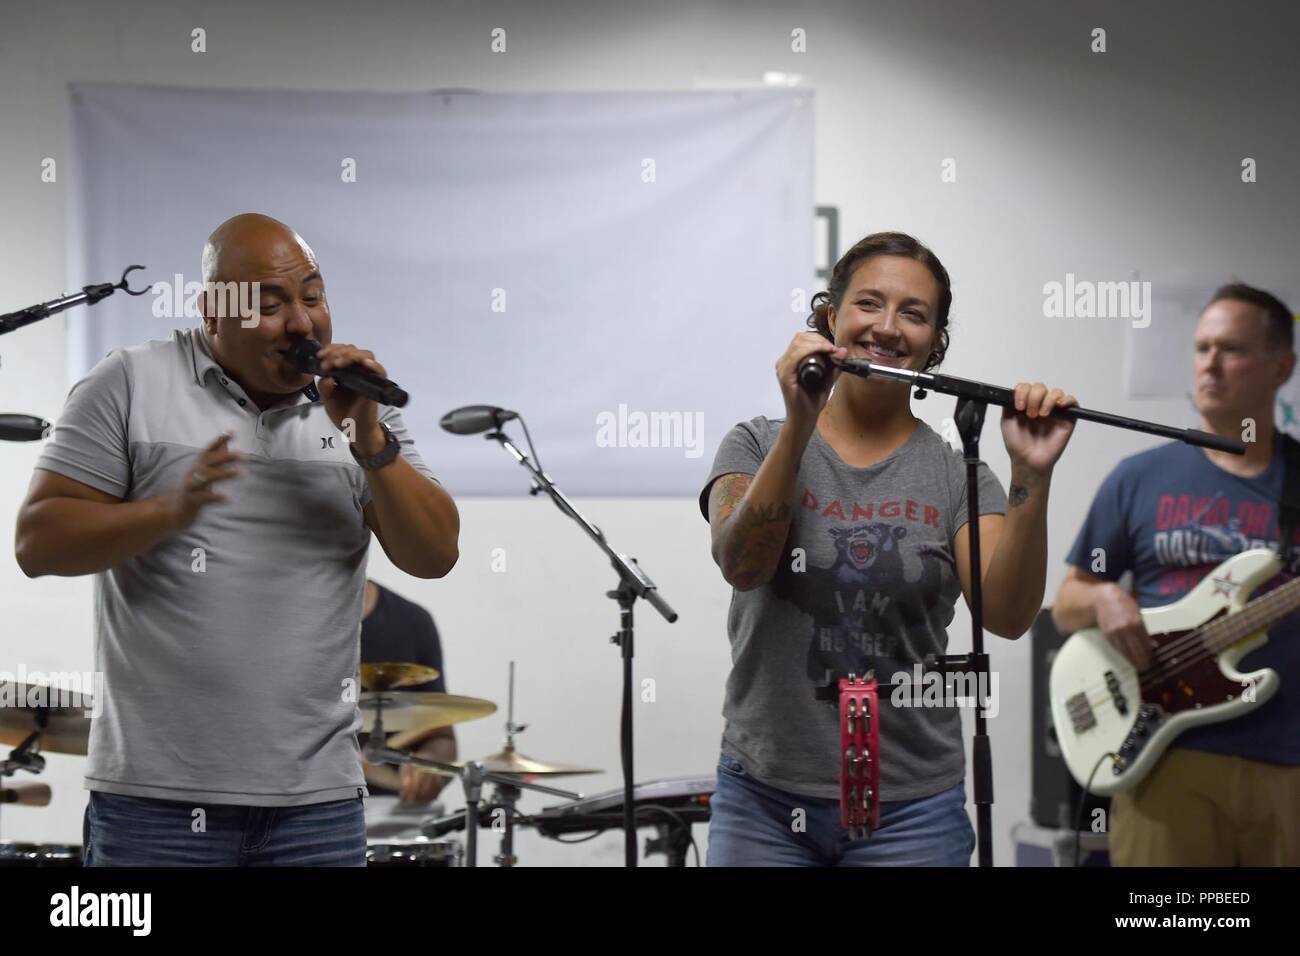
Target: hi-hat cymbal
{"x":68,"y":728}
{"x":388,"y":676}
{"x":512,"y":762}
{"x":409,"y":710}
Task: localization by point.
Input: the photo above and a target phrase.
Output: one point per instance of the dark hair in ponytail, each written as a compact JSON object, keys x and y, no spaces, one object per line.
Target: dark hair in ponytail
{"x":885,"y":244}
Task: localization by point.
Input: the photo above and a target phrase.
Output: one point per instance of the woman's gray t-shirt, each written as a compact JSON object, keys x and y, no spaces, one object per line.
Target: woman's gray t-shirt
{"x":868,"y":581}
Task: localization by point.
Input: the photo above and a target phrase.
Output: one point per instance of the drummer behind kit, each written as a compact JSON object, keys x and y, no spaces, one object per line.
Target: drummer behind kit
{"x":388,"y":816}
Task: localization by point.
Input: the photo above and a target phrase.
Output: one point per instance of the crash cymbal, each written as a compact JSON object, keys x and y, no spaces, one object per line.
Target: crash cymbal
{"x":393,"y":676}
{"x":512,"y":762}
{"x":415,"y":710}
{"x":68,"y":728}
{"x":503,"y":761}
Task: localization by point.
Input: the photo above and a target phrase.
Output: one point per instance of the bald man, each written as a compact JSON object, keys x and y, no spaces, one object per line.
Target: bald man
{"x":224,"y":502}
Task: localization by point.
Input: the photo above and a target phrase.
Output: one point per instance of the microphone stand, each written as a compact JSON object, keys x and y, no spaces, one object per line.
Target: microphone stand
{"x":29,"y":427}
{"x":973,"y":399}
{"x":633,"y":583}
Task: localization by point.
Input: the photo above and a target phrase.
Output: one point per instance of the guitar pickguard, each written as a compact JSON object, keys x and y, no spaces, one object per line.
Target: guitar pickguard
{"x":1196,"y":683}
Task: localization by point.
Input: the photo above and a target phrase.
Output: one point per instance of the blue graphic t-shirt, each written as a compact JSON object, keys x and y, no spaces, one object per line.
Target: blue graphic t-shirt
{"x":1171,"y":516}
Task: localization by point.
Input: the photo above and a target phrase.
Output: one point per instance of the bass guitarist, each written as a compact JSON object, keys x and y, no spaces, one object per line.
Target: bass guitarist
{"x":1227,"y":793}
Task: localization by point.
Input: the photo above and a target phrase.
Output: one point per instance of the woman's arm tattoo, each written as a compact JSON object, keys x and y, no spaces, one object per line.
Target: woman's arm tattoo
{"x":750,"y":535}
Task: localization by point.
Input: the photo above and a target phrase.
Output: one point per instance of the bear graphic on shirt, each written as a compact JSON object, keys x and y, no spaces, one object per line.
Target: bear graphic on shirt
{"x":865,"y":602}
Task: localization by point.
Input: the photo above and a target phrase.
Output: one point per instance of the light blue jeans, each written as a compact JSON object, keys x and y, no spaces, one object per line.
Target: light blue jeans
{"x":140,"y":831}
{"x":753,"y":824}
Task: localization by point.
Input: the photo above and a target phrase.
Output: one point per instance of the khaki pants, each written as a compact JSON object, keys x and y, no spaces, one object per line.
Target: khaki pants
{"x":1203,"y":809}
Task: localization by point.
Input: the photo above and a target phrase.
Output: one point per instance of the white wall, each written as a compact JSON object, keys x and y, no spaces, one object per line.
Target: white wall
{"x":1067,"y":161}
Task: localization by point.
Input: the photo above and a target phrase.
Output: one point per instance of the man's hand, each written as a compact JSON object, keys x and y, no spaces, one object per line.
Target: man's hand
{"x":354,"y":415}
{"x":1120,"y":620}
{"x":421,"y":787}
{"x":195,"y":490}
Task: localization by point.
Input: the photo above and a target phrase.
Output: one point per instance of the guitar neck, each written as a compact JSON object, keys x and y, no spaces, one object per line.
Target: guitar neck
{"x":1258,"y":615}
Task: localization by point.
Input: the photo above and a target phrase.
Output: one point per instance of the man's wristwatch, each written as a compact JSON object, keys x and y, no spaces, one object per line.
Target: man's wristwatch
{"x":390,"y":451}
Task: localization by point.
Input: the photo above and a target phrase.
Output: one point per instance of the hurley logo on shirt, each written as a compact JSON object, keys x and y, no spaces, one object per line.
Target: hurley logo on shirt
{"x":103,"y":909}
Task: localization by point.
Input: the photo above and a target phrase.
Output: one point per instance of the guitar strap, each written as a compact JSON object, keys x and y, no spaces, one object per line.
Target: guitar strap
{"x":1289,"y":506}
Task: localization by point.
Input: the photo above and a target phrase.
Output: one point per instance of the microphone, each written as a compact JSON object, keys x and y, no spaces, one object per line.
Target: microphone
{"x":22,"y":428}
{"x":355,"y":378}
{"x":28,"y":794}
{"x":814,"y":372}
{"x":472,"y":419}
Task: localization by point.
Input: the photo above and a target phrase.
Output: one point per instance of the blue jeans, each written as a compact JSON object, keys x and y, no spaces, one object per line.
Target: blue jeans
{"x":753,"y":824}
{"x":139,"y":831}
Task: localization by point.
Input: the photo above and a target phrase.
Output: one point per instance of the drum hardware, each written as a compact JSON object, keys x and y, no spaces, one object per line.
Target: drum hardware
{"x":505,"y":797}
{"x":36,"y":717}
{"x":39,"y":854}
{"x":59,"y":727}
{"x":472,"y":775}
{"x":414,"y":714}
{"x":26,"y":794}
{"x":421,"y":853}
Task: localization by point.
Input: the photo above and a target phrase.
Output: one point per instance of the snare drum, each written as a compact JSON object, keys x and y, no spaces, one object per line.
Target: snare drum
{"x":39,"y":854}
{"x":418,"y":853}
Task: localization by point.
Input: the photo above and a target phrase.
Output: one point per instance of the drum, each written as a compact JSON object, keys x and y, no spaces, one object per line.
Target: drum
{"x":39,"y":854}
{"x":417,"y":853}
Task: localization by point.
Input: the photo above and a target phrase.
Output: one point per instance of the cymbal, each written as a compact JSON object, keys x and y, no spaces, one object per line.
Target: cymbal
{"x":503,"y":761}
{"x":512,"y":762}
{"x":412,"y":710}
{"x":68,"y":728}
{"x":392,"y":676}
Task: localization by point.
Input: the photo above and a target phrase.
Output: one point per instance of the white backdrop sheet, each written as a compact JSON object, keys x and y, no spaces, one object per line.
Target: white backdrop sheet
{"x":646,"y":248}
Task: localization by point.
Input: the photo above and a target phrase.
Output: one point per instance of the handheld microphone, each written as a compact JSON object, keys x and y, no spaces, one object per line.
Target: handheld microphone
{"x":355,"y":378}
{"x":472,"y":419}
{"x":22,"y":428}
{"x":814,"y":372}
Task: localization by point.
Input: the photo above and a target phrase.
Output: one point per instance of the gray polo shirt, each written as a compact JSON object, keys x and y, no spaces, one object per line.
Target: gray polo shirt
{"x":230,"y":650}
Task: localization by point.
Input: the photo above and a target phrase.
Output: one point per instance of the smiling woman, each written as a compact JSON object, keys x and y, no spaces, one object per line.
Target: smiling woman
{"x":886,"y":244}
{"x":843,"y":529}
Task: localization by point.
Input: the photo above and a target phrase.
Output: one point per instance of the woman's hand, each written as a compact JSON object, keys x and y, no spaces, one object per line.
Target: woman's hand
{"x":802,"y":408}
{"x":1035,"y":438}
